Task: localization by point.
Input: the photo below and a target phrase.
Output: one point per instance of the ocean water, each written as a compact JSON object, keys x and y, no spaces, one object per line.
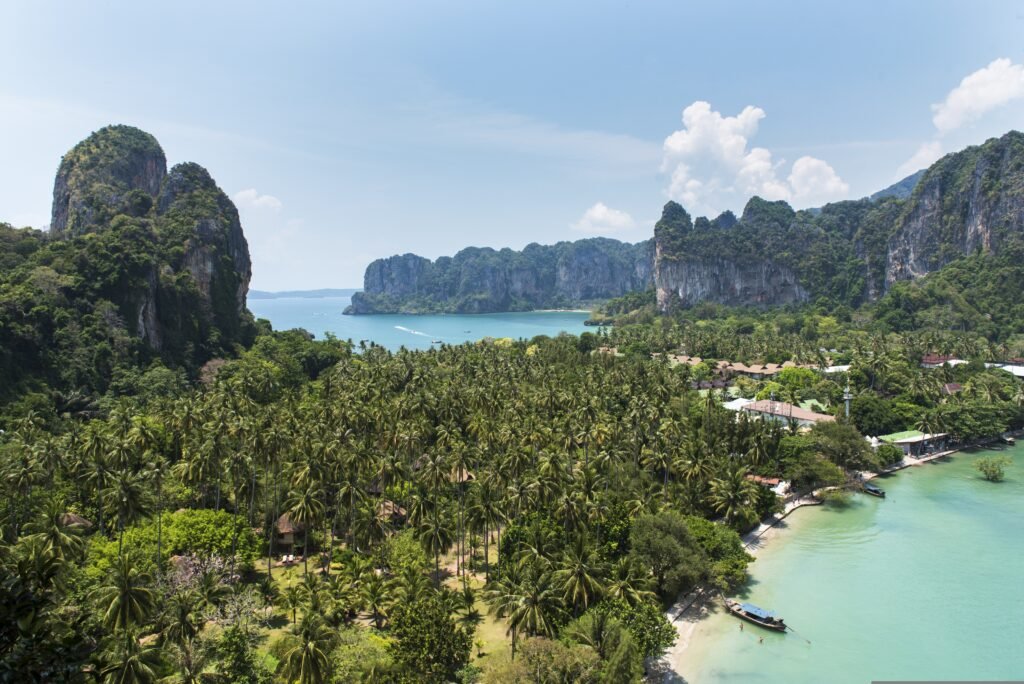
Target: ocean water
{"x":323,"y":315}
{"x":927,"y":584}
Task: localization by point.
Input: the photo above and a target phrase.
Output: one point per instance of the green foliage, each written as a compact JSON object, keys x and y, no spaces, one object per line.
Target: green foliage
{"x":842,"y":444}
{"x":549,"y":662}
{"x":427,"y":646}
{"x":663,"y":542}
{"x":993,"y":468}
{"x":238,"y":662}
{"x":651,"y":631}
{"x":889,"y":455}
{"x":362,"y":655}
{"x":724,"y":549}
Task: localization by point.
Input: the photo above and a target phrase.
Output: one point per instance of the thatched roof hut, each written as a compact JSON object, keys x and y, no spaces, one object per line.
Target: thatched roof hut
{"x":389,"y":511}
{"x":285,"y":525}
{"x":70,"y":519}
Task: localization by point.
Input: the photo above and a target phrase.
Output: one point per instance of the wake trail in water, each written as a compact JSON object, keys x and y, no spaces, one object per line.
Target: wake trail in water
{"x":414,"y":332}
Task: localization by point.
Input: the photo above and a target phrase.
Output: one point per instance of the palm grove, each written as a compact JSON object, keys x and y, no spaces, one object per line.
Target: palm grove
{"x":193,"y":497}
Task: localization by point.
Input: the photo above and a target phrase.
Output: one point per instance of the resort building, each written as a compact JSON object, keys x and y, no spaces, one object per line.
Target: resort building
{"x":915,"y":443}
{"x":785,"y":412}
{"x":777,"y":485}
{"x":938,"y":361}
{"x":1015,"y":369}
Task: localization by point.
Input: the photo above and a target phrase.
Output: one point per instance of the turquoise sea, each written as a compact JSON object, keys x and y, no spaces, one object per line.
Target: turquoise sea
{"x":927,"y":584}
{"x":322,"y":315}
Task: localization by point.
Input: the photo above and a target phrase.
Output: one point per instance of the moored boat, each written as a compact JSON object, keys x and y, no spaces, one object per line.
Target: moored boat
{"x":759,"y":616}
{"x":873,"y":490}
{"x":1007,"y":439}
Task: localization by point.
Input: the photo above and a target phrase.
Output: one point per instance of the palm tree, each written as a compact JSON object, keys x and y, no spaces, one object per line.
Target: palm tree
{"x":375,"y":598}
{"x":540,"y":604}
{"x":306,"y":508}
{"x":733,"y":494}
{"x":436,"y":536}
{"x":181,"y":626}
{"x":292,"y":598}
{"x":127,"y":498}
{"x":62,"y":540}
{"x":579,"y":576}
{"x":629,"y":583}
{"x":309,"y":662}
{"x":190,"y":661}
{"x":126,"y":601}
{"x":131,"y":663}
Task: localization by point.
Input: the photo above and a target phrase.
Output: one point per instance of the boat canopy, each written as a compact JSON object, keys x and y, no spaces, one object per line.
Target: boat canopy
{"x":757,"y":612}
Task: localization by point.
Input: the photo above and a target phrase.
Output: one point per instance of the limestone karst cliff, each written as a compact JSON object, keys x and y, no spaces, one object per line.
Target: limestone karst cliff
{"x":191,"y":269}
{"x":845,"y":253}
{"x":482,"y":280}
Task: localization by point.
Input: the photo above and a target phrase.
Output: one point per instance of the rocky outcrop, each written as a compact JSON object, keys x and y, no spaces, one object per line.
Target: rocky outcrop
{"x":116,"y":170}
{"x":969,"y":201}
{"x":697,"y":261}
{"x":192,"y":280}
{"x":685,"y":282}
{"x":483,"y":280}
{"x":844,"y":253}
{"x":216,"y":251}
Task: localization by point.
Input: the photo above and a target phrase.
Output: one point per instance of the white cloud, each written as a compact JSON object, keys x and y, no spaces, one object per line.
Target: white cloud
{"x":815,"y":182}
{"x":251,"y":199}
{"x":601,"y":219}
{"x":712,"y":167}
{"x":925,"y":155}
{"x":986,"y":89}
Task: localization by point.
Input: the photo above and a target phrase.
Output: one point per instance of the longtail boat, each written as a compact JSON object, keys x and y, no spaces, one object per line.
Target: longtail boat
{"x":874,"y":491}
{"x":759,"y":616}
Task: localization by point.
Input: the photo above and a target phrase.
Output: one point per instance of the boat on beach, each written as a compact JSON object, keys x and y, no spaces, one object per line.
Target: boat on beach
{"x":873,"y":490}
{"x":759,"y":616}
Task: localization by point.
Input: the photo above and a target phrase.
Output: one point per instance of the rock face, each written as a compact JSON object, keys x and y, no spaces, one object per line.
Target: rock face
{"x":686,"y":282}
{"x":216,"y":251}
{"x":482,"y":280}
{"x":694,"y":263}
{"x":116,"y":170}
{"x":844,"y":253}
{"x":969,"y":201}
{"x":192,"y":280}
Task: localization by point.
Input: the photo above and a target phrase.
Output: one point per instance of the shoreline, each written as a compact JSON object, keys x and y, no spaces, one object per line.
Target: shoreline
{"x":687,"y":613}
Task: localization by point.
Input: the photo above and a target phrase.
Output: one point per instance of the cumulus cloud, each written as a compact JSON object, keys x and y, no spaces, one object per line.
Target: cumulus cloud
{"x":251,"y":199}
{"x":986,"y":89}
{"x":712,"y":167}
{"x":601,"y":219}
{"x":926,"y":154}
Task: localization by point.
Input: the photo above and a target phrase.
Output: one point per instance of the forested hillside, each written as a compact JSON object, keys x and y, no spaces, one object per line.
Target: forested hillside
{"x":140,"y":267}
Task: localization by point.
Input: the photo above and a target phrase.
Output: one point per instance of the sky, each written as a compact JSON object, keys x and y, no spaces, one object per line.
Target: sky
{"x":350,"y":131}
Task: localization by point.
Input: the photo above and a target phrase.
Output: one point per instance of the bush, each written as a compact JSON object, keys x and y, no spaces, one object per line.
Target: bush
{"x":992,"y":468}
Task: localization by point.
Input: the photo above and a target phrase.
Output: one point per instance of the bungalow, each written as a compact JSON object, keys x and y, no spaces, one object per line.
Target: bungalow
{"x":938,"y":360}
{"x":390,"y":512}
{"x":914,"y":442}
{"x":776,"y":484}
{"x":784,"y":412}
{"x":951,"y":388}
{"x":286,"y":531}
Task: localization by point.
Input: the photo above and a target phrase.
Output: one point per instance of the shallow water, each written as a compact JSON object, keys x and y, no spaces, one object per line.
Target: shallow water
{"x":322,"y":315}
{"x":925,"y":584}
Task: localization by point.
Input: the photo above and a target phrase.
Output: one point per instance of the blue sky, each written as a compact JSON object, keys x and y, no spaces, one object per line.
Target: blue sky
{"x":352,"y":131}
